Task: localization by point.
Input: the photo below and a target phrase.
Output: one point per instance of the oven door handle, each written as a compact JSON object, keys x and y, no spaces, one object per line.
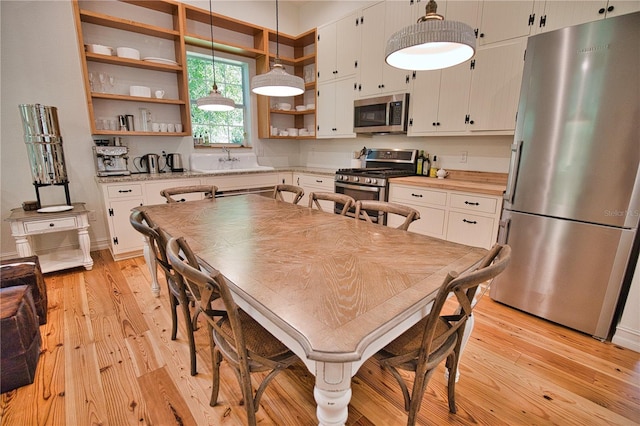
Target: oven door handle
{"x":358,"y":187}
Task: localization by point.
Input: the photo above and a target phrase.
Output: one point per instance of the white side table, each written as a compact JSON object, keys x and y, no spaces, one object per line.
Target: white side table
{"x":25,"y":224}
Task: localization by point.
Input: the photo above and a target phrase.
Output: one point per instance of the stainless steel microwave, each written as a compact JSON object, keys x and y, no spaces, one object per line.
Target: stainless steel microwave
{"x":384,"y":114}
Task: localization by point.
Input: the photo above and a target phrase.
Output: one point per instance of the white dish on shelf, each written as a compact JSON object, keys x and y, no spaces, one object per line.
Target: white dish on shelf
{"x":311,"y":106}
{"x":99,"y":49}
{"x":140,"y":91}
{"x":55,"y":209}
{"x":160,"y":60}
{"x":128,"y":52}
{"x":300,"y":108}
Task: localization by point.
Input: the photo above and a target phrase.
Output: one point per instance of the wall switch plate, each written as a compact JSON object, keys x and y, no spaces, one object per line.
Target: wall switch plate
{"x":463,"y":156}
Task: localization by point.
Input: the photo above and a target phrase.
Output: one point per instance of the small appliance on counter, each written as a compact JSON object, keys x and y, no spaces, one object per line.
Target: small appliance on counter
{"x":148,"y":163}
{"x":174,"y":163}
{"x":111,"y":160}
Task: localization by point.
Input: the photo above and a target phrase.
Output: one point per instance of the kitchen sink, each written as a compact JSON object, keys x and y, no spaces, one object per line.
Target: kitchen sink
{"x":225,"y":162}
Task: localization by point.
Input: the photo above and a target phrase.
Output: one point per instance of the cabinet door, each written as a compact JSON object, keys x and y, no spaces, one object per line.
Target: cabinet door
{"x":424,"y":100}
{"x":124,"y":237}
{"x":325,"y":110}
{"x":344,"y":96}
{"x":504,"y":20}
{"x":564,"y":13}
{"x":373,"y":44}
{"x":326,"y":52}
{"x":472,"y":230}
{"x":152,"y":190}
{"x":453,"y":104}
{"x":347,"y":48}
{"x":495,"y":86}
{"x":398,"y":15}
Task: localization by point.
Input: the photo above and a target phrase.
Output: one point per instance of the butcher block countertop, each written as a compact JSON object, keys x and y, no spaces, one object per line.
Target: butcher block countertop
{"x":460,"y":180}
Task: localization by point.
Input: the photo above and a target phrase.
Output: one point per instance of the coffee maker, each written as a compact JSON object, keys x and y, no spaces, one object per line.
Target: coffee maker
{"x":111,"y":160}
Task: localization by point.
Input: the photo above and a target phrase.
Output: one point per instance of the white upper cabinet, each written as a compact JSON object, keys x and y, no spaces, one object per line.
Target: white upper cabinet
{"x":335,"y":109}
{"x":556,"y":14}
{"x":338,"y":47}
{"x":504,"y":20}
{"x":495,"y":86}
{"x":379,"y":22}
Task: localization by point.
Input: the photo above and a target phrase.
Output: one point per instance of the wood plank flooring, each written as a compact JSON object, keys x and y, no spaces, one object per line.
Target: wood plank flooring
{"x":107,"y":359}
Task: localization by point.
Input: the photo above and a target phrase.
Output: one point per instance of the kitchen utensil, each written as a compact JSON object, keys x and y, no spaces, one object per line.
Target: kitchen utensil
{"x":174,"y":162}
{"x":179,"y":127}
{"x":163,"y":127}
{"x":130,"y":125}
{"x":171,"y":127}
{"x":301,"y":107}
{"x":128,"y":52}
{"x":159,"y":94}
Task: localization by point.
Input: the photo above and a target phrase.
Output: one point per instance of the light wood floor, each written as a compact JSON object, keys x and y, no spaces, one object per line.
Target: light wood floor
{"x":107,"y":360}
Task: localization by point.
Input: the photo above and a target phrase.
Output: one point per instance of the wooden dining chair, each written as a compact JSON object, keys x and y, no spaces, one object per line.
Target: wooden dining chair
{"x":346,"y":201}
{"x":236,"y":337}
{"x":297,"y":192}
{"x":407,"y":212}
{"x":208,"y":191}
{"x":178,"y":292}
{"x":439,"y":336}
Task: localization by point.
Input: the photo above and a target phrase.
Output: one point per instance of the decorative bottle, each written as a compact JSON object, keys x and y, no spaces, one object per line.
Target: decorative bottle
{"x":433,"y":171}
{"x":420,"y":163}
{"x":426,"y":166}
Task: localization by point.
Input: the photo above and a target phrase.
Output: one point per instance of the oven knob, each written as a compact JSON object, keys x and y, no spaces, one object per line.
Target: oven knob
{"x":356,"y":179}
{"x":340,"y":177}
{"x":367,"y":180}
{"x":374,"y":181}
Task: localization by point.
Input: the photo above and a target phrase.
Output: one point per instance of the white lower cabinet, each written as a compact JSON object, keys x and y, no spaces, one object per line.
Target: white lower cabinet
{"x":152,"y":190}
{"x":119,"y":199}
{"x":456,"y":216}
{"x":315,"y":183}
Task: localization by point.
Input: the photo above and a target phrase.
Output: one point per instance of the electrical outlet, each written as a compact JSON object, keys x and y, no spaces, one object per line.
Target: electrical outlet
{"x":463,"y":156}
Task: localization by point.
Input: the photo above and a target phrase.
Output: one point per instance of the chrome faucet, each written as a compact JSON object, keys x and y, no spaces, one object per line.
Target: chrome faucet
{"x":229,"y":157}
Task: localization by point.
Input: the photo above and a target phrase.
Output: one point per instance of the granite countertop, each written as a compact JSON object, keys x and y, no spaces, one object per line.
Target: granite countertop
{"x":135,"y":177}
{"x":474,"y":182}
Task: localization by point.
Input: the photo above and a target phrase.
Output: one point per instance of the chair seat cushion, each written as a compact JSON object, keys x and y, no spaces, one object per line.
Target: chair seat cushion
{"x":411,"y":339}
{"x":257,"y":339}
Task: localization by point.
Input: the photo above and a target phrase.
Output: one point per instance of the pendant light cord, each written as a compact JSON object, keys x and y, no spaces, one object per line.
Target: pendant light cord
{"x":277,"y":35}
{"x":213,"y":64}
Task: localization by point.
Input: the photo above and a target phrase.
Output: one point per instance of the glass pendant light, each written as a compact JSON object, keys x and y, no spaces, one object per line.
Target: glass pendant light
{"x":277,"y":82}
{"x":214,"y":101}
{"x":430,"y":44}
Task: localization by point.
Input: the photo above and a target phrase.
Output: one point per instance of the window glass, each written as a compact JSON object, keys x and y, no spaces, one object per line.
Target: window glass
{"x":211,"y":127}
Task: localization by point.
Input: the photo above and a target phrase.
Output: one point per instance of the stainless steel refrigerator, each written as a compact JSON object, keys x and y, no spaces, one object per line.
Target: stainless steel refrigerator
{"x":572,"y":203}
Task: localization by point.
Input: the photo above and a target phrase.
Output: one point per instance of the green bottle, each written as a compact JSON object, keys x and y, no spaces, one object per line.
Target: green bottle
{"x":420,"y":163}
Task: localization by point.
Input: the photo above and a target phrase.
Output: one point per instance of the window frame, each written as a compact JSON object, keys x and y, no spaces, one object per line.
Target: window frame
{"x":247,"y":66}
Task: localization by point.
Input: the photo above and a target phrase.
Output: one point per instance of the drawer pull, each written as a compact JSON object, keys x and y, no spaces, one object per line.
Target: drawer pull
{"x":124,"y":190}
{"x":472,"y":222}
{"x":318,"y":181}
{"x":51,"y":225}
{"x":470,"y":203}
{"x":416,"y":195}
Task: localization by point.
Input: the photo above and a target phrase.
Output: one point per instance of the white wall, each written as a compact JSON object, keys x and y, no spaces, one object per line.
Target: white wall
{"x":628,"y":330}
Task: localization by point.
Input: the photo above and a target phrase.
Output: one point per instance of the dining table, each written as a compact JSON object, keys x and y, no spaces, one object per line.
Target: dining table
{"x":333,"y":289}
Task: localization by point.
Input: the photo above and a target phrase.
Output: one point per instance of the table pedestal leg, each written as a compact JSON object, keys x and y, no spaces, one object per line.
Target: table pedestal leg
{"x":332,"y":393}
{"x":153,"y":268}
{"x":85,"y":246}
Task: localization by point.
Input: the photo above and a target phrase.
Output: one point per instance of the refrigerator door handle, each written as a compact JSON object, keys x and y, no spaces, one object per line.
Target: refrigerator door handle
{"x":503,"y":231}
{"x":514,"y":165}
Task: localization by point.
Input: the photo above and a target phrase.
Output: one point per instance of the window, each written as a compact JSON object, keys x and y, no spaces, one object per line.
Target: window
{"x":232,"y":78}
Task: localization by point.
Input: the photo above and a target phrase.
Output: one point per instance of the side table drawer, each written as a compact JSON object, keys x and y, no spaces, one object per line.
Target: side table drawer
{"x":50,"y":225}
{"x":119,"y":191}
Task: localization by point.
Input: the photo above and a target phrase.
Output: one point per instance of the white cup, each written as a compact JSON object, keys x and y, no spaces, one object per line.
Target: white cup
{"x":171,"y":127}
{"x":159,"y":94}
{"x":163,"y":127}
{"x":155,"y":127}
{"x":179,"y":127}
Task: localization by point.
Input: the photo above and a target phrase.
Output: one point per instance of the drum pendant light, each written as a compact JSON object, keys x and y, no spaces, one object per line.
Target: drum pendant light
{"x":277,"y":82}
{"x":430,"y":44}
{"x":215,"y":101}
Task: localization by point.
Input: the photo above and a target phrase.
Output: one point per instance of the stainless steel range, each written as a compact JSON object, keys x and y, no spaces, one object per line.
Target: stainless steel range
{"x":372,"y":181}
